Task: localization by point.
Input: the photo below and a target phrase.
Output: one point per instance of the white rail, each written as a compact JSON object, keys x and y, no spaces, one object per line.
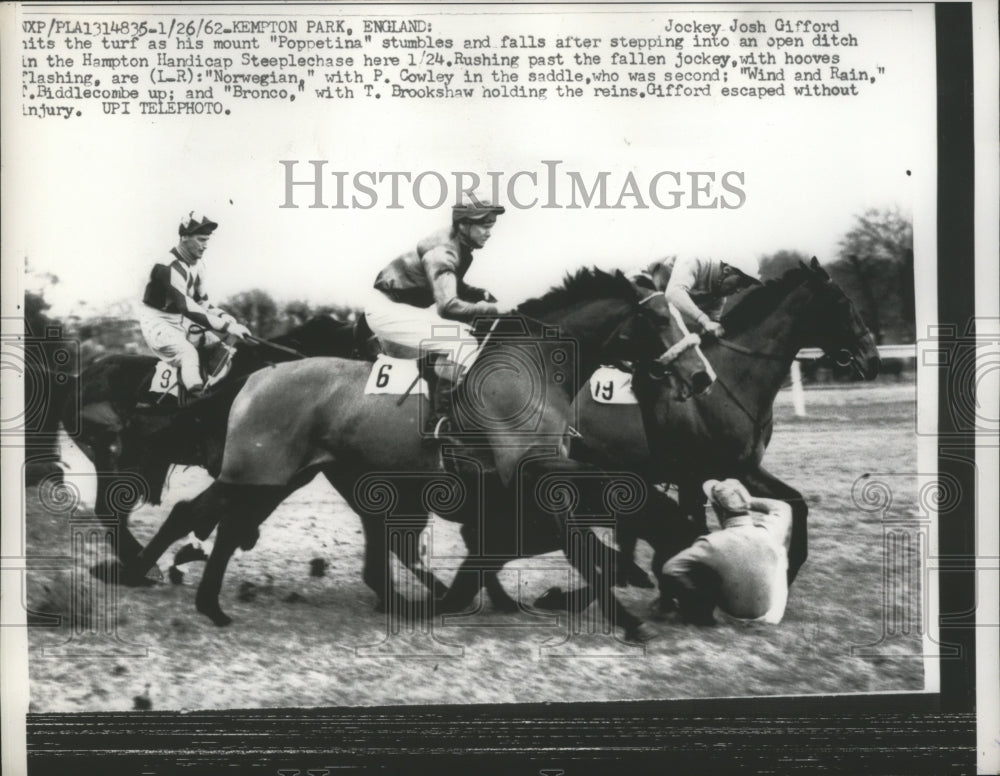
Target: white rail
{"x":798,"y":394}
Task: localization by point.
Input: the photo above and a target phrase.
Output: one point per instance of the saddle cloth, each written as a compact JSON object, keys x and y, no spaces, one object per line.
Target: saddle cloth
{"x":394,"y":376}
{"x":612,"y":386}
{"x":166,"y":380}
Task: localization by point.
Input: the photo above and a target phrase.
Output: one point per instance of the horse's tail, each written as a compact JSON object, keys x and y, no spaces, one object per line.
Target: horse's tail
{"x":46,"y":391}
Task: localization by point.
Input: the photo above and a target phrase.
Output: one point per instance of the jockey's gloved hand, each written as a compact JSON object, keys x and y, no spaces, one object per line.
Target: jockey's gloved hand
{"x":488,"y":297}
{"x":714,"y":328}
{"x":238,"y":330}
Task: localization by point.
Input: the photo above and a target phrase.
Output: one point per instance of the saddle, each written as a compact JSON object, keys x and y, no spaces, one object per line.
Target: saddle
{"x":164,"y":389}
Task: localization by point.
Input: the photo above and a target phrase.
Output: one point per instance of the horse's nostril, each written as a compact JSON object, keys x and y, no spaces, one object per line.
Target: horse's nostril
{"x":700,"y":383}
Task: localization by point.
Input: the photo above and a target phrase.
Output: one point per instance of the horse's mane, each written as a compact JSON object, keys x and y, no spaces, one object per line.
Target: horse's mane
{"x":762,"y":300}
{"x":585,"y":285}
{"x":315,"y":329}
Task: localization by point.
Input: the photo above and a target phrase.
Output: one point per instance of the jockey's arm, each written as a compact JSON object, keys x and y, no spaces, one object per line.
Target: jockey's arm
{"x":678,"y":293}
{"x":779,"y":517}
{"x":440,"y":266}
{"x":474,"y":293}
{"x":207,"y":316}
{"x":218,"y":311}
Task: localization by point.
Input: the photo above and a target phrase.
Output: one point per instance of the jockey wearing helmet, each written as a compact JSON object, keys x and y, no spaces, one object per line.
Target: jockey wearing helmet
{"x":699,"y":287}
{"x":425,"y":289}
{"x":654,"y":276}
{"x":175,"y":315}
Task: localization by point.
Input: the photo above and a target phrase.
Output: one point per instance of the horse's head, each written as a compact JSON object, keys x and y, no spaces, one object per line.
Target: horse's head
{"x":836,"y":327}
{"x":619,"y":320}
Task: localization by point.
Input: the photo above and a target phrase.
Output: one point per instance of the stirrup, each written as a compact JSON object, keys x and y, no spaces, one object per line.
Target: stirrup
{"x":442,"y":425}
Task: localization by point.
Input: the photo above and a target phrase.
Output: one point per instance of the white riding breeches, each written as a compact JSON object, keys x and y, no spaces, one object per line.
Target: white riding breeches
{"x":169,"y":337}
{"x":406,"y":331}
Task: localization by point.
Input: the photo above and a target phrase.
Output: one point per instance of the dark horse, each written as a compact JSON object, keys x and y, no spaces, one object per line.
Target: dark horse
{"x":300,"y":418}
{"x":726,"y":432}
{"x":133,"y":447}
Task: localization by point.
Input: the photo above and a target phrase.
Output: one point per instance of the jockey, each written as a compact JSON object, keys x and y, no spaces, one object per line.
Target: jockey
{"x":656,"y":275}
{"x":175,"y":315}
{"x":698,"y":288}
{"x":424,"y":290}
{"x":742,"y":569}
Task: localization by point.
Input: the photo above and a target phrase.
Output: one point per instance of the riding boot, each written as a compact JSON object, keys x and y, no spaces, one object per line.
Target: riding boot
{"x":441,"y":421}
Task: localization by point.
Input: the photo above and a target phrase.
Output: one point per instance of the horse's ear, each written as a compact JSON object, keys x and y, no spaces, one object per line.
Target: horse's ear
{"x":814,"y":265}
{"x":803,"y":264}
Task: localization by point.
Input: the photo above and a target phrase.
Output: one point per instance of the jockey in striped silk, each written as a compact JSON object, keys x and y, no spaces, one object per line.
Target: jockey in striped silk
{"x":175,"y":316}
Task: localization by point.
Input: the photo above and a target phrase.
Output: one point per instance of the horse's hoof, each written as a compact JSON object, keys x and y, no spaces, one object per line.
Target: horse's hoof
{"x":553,"y":600}
{"x":109,"y":572}
{"x":661,"y":610}
{"x":641,"y":633}
{"x":446,"y":605}
{"x":214,"y":613}
{"x":506,"y":605}
{"x":112,"y":571}
{"x":639,"y":578}
{"x":189,"y":553}
{"x":250,"y":540}
{"x":634,"y":576}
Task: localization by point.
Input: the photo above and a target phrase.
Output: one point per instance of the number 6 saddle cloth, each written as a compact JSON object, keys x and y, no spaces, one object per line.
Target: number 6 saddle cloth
{"x":612,"y":386}
{"x":395,"y":377}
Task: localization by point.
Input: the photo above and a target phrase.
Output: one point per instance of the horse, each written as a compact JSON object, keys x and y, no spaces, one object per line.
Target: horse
{"x":305,"y":417}
{"x":725,"y":432}
{"x":133,"y":447}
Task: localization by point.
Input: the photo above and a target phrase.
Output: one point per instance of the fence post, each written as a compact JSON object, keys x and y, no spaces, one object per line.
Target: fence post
{"x":798,"y":395}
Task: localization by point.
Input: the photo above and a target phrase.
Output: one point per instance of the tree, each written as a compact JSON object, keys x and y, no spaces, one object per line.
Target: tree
{"x":876,"y":264}
{"x":257,"y":310}
{"x":775,"y":265}
{"x":36,"y":306}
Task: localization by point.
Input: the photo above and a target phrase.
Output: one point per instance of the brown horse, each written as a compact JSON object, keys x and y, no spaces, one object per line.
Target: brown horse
{"x":300,"y":418}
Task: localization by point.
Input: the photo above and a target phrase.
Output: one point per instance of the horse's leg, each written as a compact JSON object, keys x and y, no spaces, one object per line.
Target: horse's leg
{"x":437,"y":588}
{"x":598,"y":583}
{"x":376,"y":563}
{"x":105,"y":448}
{"x":239,"y":519}
{"x":126,"y":546}
{"x":667,"y":529}
{"x":499,"y":597}
{"x":691,"y":500}
{"x":762,"y":483}
{"x":467,"y":580}
{"x":599,"y":579}
{"x":182,"y":520}
{"x":627,"y":572}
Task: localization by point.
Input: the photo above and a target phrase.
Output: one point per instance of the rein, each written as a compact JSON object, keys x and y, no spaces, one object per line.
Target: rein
{"x":758,"y":425}
{"x":730,"y":345}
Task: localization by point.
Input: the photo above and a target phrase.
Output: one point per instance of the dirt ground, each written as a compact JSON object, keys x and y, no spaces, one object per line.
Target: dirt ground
{"x":302,"y":640}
